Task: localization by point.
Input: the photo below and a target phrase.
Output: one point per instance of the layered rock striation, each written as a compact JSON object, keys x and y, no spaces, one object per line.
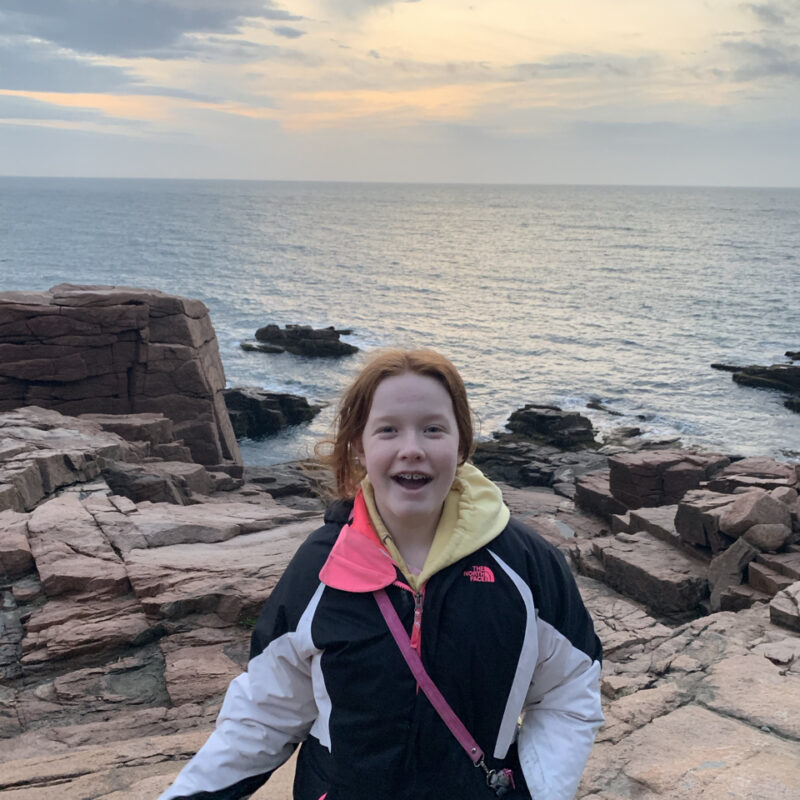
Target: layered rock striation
{"x":118,"y":350}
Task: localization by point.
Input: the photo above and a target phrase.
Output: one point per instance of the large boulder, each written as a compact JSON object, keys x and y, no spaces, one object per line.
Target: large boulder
{"x":118,"y":350}
{"x":727,"y":569}
{"x":754,"y":508}
{"x":698,"y":516}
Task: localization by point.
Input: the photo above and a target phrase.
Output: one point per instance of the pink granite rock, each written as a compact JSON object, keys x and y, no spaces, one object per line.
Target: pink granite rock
{"x":231,"y":578}
{"x":72,"y":555}
{"x":768,"y":537}
{"x":659,"y":477}
{"x":784,"y":609}
{"x":753,"y":508}
{"x":15,"y":552}
{"x":755,"y":473}
{"x":118,"y":350}
{"x":653,"y":572}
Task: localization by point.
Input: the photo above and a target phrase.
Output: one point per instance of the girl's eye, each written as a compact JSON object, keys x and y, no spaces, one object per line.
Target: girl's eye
{"x":434,"y":429}
{"x":385,"y":429}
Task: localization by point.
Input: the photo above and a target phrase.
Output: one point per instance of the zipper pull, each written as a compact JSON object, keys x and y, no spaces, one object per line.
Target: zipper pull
{"x":416,"y":628}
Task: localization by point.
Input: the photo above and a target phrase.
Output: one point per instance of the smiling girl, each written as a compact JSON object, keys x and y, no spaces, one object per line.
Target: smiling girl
{"x":421,"y":644}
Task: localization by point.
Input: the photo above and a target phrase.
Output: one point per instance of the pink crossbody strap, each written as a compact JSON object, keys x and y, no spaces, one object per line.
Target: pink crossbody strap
{"x":454,"y":724}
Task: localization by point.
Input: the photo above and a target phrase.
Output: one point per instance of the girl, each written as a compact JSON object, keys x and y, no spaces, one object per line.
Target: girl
{"x":503,"y":699}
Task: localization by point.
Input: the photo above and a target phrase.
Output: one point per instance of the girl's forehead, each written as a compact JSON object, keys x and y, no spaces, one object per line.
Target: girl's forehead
{"x":410,"y":390}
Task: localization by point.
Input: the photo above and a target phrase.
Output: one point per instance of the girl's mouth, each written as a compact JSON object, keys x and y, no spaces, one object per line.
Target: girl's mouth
{"x":412,"y":480}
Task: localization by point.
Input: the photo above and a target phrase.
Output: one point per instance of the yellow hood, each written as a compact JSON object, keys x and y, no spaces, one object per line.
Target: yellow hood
{"x":474,"y":513}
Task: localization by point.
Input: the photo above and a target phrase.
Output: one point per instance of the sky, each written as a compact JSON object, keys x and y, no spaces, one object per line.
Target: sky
{"x":686,"y":92}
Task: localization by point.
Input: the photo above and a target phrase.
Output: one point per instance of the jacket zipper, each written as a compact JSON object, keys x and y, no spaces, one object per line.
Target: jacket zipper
{"x":416,"y":627}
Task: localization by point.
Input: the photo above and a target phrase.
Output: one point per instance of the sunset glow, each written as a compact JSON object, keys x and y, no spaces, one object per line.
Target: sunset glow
{"x":496,"y":71}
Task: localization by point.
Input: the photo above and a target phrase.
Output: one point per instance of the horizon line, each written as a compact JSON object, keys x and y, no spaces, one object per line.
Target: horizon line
{"x":400,"y":183}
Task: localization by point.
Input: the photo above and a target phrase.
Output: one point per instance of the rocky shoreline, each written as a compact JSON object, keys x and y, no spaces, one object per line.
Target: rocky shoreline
{"x":132,"y":565}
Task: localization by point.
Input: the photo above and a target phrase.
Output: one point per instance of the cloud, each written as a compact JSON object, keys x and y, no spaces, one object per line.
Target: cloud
{"x":764,"y":60}
{"x":575,"y":65}
{"x":14,"y":107}
{"x":214,"y":48}
{"x":132,"y":28}
{"x":288,"y":32}
{"x":33,"y":65}
{"x":768,"y":13}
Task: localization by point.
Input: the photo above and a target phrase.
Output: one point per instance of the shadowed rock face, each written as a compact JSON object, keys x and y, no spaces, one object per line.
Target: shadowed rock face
{"x":301,"y":340}
{"x":256,"y":413}
{"x":118,"y":350}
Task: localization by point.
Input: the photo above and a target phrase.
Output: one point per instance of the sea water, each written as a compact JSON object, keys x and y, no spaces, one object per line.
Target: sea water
{"x":546,"y":294}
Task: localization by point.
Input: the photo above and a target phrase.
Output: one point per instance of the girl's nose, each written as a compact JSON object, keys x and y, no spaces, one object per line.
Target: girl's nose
{"x":411,"y":447}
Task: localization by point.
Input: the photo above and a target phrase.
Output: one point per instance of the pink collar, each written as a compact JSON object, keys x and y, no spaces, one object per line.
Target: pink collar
{"x":358,"y":562}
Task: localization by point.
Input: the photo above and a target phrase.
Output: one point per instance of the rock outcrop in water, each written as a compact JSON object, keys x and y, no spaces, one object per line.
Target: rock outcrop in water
{"x":119,"y":350}
{"x":256,"y":413}
{"x":778,"y":377}
{"x":130,"y":575}
{"x":301,"y":340}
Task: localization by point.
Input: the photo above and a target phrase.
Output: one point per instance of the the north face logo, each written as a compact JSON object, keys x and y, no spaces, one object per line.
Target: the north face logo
{"x":480,"y":575}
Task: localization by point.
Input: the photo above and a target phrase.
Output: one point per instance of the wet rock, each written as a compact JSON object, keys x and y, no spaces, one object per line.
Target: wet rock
{"x":94,"y":693}
{"x":784,"y":377}
{"x":550,"y":425}
{"x":256,"y":413}
{"x":659,"y":477}
{"x":303,"y":340}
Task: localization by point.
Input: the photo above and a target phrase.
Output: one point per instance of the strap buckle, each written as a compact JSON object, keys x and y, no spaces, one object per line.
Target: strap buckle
{"x":500,"y":782}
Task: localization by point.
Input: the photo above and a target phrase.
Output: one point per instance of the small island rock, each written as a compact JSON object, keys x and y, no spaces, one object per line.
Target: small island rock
{"x":301,"y":340}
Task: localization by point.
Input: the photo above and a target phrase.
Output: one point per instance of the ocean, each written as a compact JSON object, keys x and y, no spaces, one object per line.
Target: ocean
{"x":545,"y":294}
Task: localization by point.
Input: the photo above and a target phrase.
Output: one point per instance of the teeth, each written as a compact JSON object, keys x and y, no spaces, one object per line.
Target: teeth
{"x":412,"y":476}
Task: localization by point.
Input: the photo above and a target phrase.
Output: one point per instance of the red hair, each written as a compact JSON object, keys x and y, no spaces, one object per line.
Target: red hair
{"x":356,"y":403}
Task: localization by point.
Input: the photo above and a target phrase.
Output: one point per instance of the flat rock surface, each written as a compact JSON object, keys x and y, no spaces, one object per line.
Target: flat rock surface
{"x":653,"y":572}
{"x":230,"y":578}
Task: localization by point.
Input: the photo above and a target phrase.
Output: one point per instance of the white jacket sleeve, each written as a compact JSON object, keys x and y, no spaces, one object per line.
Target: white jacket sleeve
{"x":267,"y":711}
{"x":561,"y":716}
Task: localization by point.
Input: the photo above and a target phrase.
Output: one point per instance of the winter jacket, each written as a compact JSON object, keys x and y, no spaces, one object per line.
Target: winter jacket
{"x":499,"y":626}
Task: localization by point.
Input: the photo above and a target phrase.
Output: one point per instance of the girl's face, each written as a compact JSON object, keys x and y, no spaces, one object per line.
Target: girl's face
{"x":409,"y":449}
